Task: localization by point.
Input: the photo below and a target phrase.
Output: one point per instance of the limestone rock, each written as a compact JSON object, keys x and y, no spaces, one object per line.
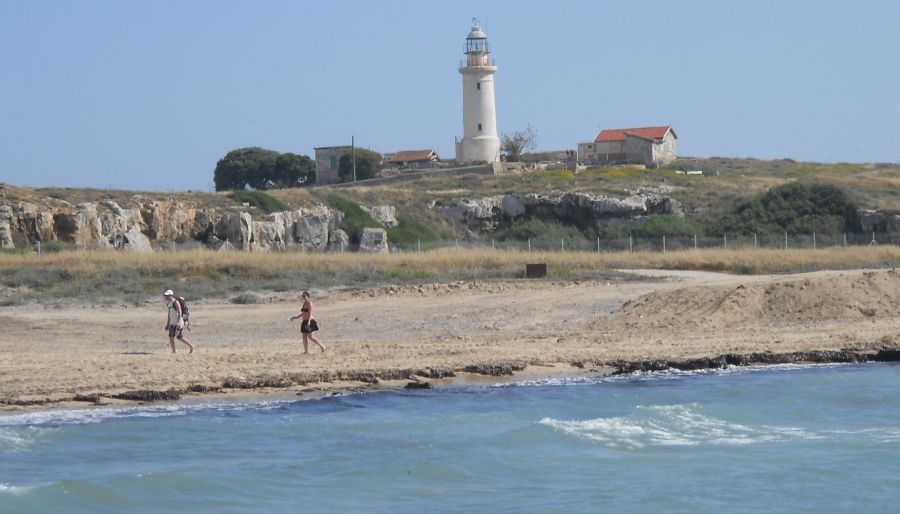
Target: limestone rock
{"x":135,"y":241}
{"x":311,"y":227}
{"x":373,"y":240}
{"x":338,"y":241}
{"x":6,"y":217}
{"x":267,"y":236}
{"x":236,"y":229}
{"x":384,"y":214}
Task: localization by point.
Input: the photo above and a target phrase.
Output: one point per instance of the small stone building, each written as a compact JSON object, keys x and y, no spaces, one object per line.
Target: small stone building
{"x":651,"y":146}
{"x":412,"y":159}
{"x":327,"y":163}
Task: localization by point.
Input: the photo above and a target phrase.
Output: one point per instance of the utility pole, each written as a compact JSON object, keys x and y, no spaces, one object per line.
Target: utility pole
{"x":353,"y":155}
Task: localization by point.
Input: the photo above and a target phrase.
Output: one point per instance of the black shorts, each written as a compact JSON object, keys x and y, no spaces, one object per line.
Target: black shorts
{"x":176,"y":331}
{"x":308,"y":327}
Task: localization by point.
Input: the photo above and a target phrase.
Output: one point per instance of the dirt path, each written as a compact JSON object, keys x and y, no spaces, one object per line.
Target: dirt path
{"x":53,"y":353}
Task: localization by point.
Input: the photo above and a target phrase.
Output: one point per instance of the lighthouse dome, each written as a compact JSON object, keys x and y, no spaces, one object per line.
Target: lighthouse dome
{"x":476,"y":33}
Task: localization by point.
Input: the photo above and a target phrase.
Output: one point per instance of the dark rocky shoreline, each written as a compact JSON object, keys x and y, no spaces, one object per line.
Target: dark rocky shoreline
{"x":495,"y":369}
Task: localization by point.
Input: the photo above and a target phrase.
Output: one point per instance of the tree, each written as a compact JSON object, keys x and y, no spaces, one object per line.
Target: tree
{"x":258,"y":168}
{"x":513,"y":145}
{"x":368,"y":165}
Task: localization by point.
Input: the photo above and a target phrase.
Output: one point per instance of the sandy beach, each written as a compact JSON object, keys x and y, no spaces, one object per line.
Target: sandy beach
{"x":51,"y":354}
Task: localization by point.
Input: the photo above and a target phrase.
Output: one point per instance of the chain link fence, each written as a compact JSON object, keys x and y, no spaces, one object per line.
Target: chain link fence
{"x":660,"y":244}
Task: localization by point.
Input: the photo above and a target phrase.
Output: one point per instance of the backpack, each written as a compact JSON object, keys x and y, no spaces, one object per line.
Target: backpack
{"x":185,"y":315}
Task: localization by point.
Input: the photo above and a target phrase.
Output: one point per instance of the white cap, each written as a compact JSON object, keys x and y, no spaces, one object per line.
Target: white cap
{"x":169,"y":292}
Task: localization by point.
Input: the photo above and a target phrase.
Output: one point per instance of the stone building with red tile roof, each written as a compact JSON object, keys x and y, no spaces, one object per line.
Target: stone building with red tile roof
{"x":651,"y":146}
{"x":412,"y":159}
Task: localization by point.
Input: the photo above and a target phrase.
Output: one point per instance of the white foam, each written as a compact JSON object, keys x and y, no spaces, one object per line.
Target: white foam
{"x":99,"y":414}
{"x":12,"y":441}
{"x":13,"y":489}
{"x":672,"y":425}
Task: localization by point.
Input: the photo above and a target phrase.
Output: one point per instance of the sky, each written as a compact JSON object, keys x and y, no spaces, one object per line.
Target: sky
{"x":150,"y":95}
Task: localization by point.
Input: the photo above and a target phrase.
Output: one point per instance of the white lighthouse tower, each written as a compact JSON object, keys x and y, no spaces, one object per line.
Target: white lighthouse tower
{"x":480,"y":141}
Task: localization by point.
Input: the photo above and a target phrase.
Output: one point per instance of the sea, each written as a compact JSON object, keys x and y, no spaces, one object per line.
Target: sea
{"x":822,"y":438}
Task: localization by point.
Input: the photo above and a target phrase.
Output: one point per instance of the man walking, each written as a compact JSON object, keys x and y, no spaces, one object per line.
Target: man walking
{"x":175,"y":321}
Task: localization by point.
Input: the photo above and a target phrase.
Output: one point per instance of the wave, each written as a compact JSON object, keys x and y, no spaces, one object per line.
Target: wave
{"x":672,"y":425}
{"x":99,"y":414}
{"x":665,"y":374}
{"x":14,"y":489}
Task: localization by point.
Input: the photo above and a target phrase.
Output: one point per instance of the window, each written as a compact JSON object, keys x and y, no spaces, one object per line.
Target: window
{"x":479,"y":126}
{"x":478,"y":85}
{"x":333,"y":162}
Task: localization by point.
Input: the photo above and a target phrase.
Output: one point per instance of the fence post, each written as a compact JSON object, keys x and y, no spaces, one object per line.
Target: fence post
{"x":695,"y":241}
{"x":493,"y":247}
{"x":529,"y":245}
{"x":754,"y":240}
{"x":664,"y":243}
{"x":562,"y":244}
{"x":598,"y":245}
{"x":845,"y":240}
{"x":457,"y":244}
{"x":419,"y":245}
{"x":814,"y":240}
{"x":342,"y":246}
{"x":785,"y":240}
{"x":39,"y":248}
{"x":725,"y":238}
{"x":630,"y":245}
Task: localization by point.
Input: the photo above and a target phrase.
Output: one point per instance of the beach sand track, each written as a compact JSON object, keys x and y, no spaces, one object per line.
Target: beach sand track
{"x":56,"y":352}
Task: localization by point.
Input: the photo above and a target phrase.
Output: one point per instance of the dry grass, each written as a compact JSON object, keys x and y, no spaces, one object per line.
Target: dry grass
{"x":203,"y":262}
{"x":117,"y":277}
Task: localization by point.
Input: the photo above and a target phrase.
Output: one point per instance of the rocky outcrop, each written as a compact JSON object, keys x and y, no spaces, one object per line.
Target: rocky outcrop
{"x":313,"y":226}
{"x":135,"y":241}
{"x":373,"y":240}
{"x":137,"y":228}
{"x":384,"y":214}
{"x":338,"y":241}
{"x":749,"y":359}
{"x":582,"y":209}
{"x":874,"y":221}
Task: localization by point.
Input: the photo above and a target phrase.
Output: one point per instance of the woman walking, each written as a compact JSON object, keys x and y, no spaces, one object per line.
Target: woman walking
{"x":309,"y":325}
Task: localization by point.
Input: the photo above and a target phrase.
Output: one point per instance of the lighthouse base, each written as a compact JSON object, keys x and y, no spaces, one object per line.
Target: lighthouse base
{"x":478,"y":149}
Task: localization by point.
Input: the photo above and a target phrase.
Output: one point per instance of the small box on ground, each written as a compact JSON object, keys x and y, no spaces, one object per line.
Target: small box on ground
{"x":535,"y":270}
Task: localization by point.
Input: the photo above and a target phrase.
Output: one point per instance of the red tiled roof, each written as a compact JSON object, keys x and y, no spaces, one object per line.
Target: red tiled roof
{"x":412,"y":156}
{"x":644,"y":132}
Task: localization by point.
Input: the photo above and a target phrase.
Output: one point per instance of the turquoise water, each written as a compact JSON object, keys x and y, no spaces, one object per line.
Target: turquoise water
{"x":785,"y":439}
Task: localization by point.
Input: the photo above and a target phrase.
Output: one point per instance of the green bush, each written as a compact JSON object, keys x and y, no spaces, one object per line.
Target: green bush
{"x":260,"y":200}
{"x":409,"y":231}
{"x":655,"y":226}
{"x":796,"y":208}
{"x":355,"y":218}
{"x":545,"y":234}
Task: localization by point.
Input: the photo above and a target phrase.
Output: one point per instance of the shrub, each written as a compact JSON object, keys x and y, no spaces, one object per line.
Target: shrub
{"x":797,"y":208}
{"x":409,"y":231}
{"x":658,"y":225}
{"x":246,"y":299}
{"x":355,"y":218}
{"x":260,"y":200}
{"x":545,"y":234}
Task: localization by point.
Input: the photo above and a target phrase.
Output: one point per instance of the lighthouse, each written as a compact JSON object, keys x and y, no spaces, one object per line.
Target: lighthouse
{"x":480,"y":141}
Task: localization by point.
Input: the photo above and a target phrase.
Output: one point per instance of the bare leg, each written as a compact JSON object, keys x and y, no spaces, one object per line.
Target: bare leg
{"x":185,"y":341}
{"x":315,"y":340}
{"x":172,"y":343}
{"x":305,"y":344}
